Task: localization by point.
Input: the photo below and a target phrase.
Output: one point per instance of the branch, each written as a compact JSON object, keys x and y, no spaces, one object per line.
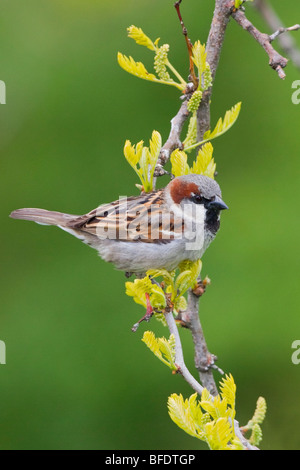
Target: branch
{"x":276,"y":60}
{"x":173,"y":141}
{"x":183,"y":370}
{"x":179,"y":359}
{"x":189,"y":44}
{"x":203,"y":359}
{"x":214,"y":45}
{"x":282,"y":30}
{"x":286,"y":41}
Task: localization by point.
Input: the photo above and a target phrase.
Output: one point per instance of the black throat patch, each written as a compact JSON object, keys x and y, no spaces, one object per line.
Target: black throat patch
{"x":212,"y":221}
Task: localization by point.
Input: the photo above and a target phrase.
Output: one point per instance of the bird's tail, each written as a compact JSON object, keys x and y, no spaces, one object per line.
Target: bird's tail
{"x":41,"y":216}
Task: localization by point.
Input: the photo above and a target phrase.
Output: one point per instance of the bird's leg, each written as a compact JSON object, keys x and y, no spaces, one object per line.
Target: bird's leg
{"x":147,"y":316}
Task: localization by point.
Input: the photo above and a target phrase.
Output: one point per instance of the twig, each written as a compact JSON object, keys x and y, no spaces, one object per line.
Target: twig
{"x":276,"y":60}
{"x":214,"y":46}
{"x":179,"y":359}
{"x":203,"y":359}
{"x":286,"y":40}
{"x":173,"y":141}
{"x":193,"y":77}
{"x":282,"y":30}
{"x":242,"y":438}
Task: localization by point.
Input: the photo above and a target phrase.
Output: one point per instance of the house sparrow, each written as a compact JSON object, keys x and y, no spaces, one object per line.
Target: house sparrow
{"x":155,"y":230}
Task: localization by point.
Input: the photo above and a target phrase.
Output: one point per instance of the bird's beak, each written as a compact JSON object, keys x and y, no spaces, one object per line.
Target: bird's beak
{"x":217,"y":204}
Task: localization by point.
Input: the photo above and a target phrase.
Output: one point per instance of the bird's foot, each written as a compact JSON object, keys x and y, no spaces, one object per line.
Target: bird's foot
{"x":147,"y":316}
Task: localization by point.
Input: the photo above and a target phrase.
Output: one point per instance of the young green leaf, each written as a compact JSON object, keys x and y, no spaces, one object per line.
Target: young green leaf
{"x":162,"y":348}
{"x":179,"y":163}
{"x":210,"y":419}
{"x":140,"y":37}
{"x":143,"y":160}
{"x":228,"y":390}
{"x":199,"y":56}
{"x":219,"y":434}
{"x":180,"y":413}
{"x":191,"y":136}
{"x":135,"y":68}
{"x":161,"y":61}
{"x":222,"y":126}
{"x":204,"y":164}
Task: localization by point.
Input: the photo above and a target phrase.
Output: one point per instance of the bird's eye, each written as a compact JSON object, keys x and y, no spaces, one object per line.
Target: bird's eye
{"x":197,"y":198}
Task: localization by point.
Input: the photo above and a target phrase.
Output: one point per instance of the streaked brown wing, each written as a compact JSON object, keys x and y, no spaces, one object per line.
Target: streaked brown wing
{"x":135,"y":219}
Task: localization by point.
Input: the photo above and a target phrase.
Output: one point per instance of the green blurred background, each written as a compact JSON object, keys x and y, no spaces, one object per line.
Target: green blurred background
{"x":76,"y":376}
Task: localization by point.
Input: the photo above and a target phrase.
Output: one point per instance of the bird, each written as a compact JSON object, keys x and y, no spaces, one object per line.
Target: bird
{"x":152,"y":231}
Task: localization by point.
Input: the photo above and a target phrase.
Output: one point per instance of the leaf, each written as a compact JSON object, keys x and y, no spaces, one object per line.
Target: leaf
{"x":184,"y":282}
{"x":221,"y":408}
{"x":191,"y":137}
{"x":180,"y":304}
{"x":133,"y":154}
{"x":167,"y":348}
{"x":218,"y":434}
{"x":193,"y":266}
{"x":179,"y":413}
{"x":161,"y":61}
{"x":157,"y":297}
{"x":225,"y":124}
{"x":228,"y":390}
{"x":209,"y":407}
{"x":188,"y":277}
{"x":205,"y":395}
{"x":135,"y":68}
{"x":151,"y":342}
{"x":204,"y":164}
{"x":195,"y":410}
{"x":138,"y":289}
{"x":140,"y":37}
{"x":238,"y":3}
{"x":179,"y":163}
{"x":144,"y":158}
{"x":222,"y":126}
{"x":208,"y":419}
{"x":159,"y":316}
{"x":162,"y":348}
{"x":155,"y":146}
{"x":144,"y":166}
{"x":199,"y":56}
{"x":152,"y":157}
